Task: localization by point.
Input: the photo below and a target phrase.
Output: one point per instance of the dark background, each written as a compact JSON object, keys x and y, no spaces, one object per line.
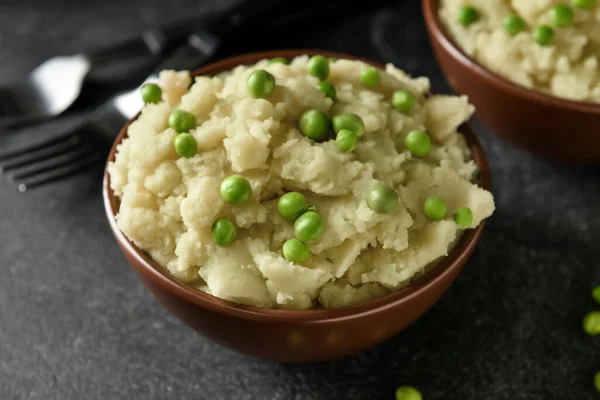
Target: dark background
{"x":75,"y":323}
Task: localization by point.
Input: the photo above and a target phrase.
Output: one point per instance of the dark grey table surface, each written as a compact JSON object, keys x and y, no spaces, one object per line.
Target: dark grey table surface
{"x":75,"y":323}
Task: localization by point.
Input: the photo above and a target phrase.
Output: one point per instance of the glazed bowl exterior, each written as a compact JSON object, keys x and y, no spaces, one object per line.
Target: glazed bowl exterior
{"x":295,"y":336}
{"x":539,"y":123}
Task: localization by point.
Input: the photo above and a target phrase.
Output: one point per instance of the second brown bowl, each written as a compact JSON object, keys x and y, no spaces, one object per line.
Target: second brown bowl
{"x":296,"y":336}
{"x":549,"y":126}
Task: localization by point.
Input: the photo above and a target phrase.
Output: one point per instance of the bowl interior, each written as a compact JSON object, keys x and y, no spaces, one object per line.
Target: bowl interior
{"x":430,"y":10}
{"x":160,"y":276}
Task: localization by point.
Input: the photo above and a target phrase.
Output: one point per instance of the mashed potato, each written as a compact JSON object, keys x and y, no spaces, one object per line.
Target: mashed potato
{"x":567,"y":68}
{"x":168,"y":203}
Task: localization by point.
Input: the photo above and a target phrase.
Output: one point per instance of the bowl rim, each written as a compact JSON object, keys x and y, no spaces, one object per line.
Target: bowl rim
{"x":439,"y":32}
{"x":160,"y":276}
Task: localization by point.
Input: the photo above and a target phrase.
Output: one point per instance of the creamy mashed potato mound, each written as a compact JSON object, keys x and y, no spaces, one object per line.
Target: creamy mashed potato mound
{"x":567,"y":68}
{"x":168,"y":203}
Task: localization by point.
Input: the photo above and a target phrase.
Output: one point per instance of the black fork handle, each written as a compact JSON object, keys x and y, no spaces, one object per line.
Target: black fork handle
{"x":159,"y":41}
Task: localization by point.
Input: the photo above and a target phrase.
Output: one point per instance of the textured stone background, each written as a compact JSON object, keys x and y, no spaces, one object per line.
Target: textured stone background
{"x":75,"y":323}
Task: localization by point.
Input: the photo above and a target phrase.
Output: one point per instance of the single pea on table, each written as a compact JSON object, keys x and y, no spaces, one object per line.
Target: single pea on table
{"x":596,"y":294}
{"x":591,"y":323}
{"x":408,"y":393}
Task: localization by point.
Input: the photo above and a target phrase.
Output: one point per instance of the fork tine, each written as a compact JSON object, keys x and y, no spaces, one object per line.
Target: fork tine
{"x":34,"y":147}
{"x":55,"y":163}
{"x":61,"y":173}
{"x":42,"y":154}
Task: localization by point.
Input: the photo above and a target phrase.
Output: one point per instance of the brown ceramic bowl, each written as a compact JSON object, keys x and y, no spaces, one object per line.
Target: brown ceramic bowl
{"x":295,"y":336}
{"x":546,"y":125}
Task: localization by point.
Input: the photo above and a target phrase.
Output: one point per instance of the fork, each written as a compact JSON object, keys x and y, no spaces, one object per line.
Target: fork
{"x":83,"y":146}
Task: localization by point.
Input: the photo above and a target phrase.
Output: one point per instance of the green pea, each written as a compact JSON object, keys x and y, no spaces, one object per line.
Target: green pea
{"x":591,"y":323}
{"x":318,"y":66}
{"x":467,"y":15}
{"x":235,"y":189}
{"x":151,"y":93}
{"x":314,"y":124}
{"x":346,"y":140}
{"x":181,"y":121}
{"x":408,"y":393}
{"x":292,"y":205}
{"x":296,"y":251}
{"x":475,"y":172}
{"x":597,"y":381}
{"x":596,"y":294}
{"x":279,"y":60}
{"x":435,"y":208}
{"x":584,"y":3}
{"x":543,"y":35}
{"x":383,"y":199}
{"x":223,"y":231}
{"x":260,"y":84}
{"x":514,"y":24}
{"x":328,"y":89}
{"x":309,"y":227}
{"x":418,"y":143}
{"x":562,"y":15}
{"x":185,"y":145}
{"x":349,"y":121}
{"x":403,"y":101}
{"x":370,"y":76}
{"x":463,"y":217}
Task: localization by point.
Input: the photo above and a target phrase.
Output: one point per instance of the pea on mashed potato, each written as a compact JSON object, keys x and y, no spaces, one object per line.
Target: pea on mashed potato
{"x":554,"y":50}
{"x":169,"y":203}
